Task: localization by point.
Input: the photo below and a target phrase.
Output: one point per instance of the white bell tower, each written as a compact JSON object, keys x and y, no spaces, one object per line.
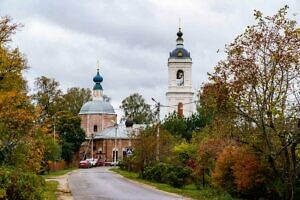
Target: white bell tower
{"x":180,"y":95}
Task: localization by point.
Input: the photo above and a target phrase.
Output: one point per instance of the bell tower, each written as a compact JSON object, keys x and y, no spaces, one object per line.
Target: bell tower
{"x":180,"y":95}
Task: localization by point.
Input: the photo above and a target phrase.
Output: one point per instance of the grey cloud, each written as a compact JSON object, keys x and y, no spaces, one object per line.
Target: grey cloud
{"x":132,"y":39}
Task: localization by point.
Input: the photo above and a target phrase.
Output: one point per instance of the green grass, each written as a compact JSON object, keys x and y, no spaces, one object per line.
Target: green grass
{"x":50,"y":189}
{"x":188,"y":191}
{"x":59,"y":173}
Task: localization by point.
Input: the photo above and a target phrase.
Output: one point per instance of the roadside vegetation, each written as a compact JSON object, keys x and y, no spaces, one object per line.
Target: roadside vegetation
{"x":59,"y":173}
{"x":206,"y":193}
{"x":244,"y":138}
{"x":34,"y":129}
{"x":243,"y":141}
{"x":50,"y":189}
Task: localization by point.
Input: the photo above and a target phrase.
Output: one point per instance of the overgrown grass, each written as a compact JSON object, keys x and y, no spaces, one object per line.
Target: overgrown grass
{"x":59,"y":173}
{"x":188,"y":191}
{"x":50,"y":189}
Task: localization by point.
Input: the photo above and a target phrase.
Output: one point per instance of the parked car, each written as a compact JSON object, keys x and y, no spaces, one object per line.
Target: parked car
{"x":100,"y":162}
{"x":93,"y":161}
{"x":84,"y":164}
{"x":115,"y":163}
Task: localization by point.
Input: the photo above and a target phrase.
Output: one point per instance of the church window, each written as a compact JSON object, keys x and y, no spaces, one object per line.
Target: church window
{"x":180,"y":78}
{"x":180,"y":109}
{"x":95,"y":128}
{"x":115,"y":155}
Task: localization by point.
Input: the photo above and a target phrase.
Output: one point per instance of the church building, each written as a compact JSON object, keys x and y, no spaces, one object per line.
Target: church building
{"x":105,"y":139}
{"x":180,"y":95}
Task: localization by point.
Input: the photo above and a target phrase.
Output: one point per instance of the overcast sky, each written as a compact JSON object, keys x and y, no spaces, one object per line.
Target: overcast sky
{"x":63,"y":39}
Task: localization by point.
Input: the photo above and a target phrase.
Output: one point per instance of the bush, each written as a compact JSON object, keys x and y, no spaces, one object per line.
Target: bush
{"x":158,"y":172}
{"x":176,"y":176}
{"x":239,"y":171}
{"x":18,"y":185}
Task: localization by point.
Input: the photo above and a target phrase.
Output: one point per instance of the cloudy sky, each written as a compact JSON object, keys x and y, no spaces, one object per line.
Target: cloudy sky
{"x":132,"y":39}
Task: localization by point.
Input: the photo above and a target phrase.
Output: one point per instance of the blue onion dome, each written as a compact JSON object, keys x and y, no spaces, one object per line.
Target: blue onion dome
{"x":98,"y":78}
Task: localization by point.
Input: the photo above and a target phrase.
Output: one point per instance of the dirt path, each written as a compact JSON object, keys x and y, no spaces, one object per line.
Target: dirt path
{"x":63,"y":191}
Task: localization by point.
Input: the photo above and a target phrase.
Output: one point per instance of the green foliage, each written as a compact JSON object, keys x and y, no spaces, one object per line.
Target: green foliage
{"x":176,"y":176}
{"x":158,"y":172}
{"x":18,"y":185}
{"x":53,"y":150}
{"x":206,"y":193}
{"x":136,"y":109}
{"x":48,"y":97}
{"x":75,"y":98}
{"x":50,"y":190}
{"x":145,"y":144}
{"x":185,"y":126}
{"x":185,"y":152}
{"x":70,"y":132}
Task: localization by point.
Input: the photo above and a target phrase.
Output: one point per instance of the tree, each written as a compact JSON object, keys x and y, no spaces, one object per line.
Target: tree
{"x":48,"y":97}
{"x":239,"y":171}
{"x":184,"y":127}
{"x":75,"y":98}
{"x":136,"y":109}
{"x":260,"y":73}
{"x":70,"y":133}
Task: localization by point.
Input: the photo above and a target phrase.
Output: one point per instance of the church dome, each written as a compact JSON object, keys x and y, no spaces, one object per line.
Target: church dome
{"x":98,"y":78}
{"x":97,"y":107}
{"x":180,"y":51}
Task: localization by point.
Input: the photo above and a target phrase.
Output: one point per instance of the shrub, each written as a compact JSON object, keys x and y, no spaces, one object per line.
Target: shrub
{"x":239,"y":171}
{"x":18,"y":185}
{"x":158,"y":172}
{"x":177,"y":176}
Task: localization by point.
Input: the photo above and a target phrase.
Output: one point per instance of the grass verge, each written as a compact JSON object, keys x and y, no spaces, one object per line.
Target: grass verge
{"x":50,"y":189}
{"x":205,"y":193}
{"x":59,"y":173}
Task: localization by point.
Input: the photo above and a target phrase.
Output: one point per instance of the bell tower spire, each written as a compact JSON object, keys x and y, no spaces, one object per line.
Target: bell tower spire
{"x":180,"y":93}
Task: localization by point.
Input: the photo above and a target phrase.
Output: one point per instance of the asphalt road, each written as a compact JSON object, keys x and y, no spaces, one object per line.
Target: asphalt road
{"x":99,"y":183}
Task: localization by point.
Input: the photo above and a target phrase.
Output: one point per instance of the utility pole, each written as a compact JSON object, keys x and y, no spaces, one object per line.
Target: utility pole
{"x":92,"y":147}
{"x":115,"y":154}
{"x":54,"y":119}
{"x":157,"y":128}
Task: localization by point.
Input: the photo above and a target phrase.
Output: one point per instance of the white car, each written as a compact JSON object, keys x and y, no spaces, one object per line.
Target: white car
{"x":92,"y":161}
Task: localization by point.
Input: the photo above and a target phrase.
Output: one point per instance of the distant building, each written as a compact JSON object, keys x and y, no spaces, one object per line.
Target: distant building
{"x":105,"y":139}
{"x":180,"y":95}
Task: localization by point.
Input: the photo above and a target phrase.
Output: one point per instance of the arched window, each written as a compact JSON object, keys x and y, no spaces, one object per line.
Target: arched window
{"x":180,"y":78}
{"x":95,"y":128}
{"x":115,"y":155}
{"x":180,"y":109}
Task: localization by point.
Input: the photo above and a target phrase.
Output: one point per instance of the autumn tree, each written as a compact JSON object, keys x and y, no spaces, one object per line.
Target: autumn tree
{"x":75,"y":98}
{"x":136,"y":109}
{"x":261,"y":73}
{"x":239,"y":171}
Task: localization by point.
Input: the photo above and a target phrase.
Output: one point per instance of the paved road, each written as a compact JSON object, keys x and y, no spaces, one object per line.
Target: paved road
{"x":99,"y":183}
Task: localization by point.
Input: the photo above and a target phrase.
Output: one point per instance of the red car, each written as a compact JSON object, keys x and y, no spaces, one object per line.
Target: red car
{"x":100,"y":162}
{"x":84,"y":164}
